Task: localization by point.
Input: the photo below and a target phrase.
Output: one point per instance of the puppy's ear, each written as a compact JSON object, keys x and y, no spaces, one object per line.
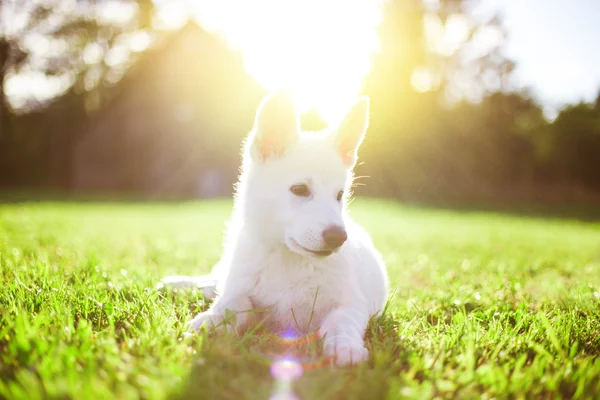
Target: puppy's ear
{"x":351,"y":131}
{"x":276,"y":127}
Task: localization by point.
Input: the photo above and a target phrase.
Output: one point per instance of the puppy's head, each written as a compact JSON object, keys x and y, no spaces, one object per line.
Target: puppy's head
{"x":295,"y":183}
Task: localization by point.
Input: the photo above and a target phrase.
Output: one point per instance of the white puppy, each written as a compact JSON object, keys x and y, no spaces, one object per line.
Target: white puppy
{"x":291,"y":248}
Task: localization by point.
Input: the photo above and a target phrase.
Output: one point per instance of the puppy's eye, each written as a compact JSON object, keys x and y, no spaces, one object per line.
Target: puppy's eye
{"x":340,"y":195}
{"x":301,"y":190}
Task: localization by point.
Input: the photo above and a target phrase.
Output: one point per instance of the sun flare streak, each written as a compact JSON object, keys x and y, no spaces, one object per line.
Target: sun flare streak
{"x":285,"y":371}
{"x":319,"y":50}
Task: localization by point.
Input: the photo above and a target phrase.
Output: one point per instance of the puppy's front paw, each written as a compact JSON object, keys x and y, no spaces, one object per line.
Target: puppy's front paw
{"x":346,"y":352}
{"x":208,"y":319}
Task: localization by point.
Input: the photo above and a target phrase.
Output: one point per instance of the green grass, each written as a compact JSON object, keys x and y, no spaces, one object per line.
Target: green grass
{"x":486,"y":306}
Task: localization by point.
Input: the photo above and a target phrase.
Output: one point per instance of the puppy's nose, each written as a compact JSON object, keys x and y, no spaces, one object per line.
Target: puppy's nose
{"x":335,"y":236}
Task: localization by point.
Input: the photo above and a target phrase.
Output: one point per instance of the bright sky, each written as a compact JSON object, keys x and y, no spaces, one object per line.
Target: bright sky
{"x":556,"y":44}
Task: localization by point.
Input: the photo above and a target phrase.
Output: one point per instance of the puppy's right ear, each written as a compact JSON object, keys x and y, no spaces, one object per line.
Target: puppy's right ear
{"x":351,"y":131}
{"x":276,"y":127}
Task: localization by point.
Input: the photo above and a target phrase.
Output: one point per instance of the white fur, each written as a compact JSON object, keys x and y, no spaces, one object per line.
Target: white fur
{"x":267,"y":262}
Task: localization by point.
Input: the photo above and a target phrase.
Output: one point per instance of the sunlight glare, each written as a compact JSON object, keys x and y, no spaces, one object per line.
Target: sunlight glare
{"x":457,"y":31}
{"x":115,"y":12}
{"x":92,"y":53}
{"x":170,"y":15}
{"x":35,"y":84}
{"x":485,"y":40}
{"x":117,"y":55}
{"x":140,"y":41}
{"x":445,"y":38}
{"x":319,"y":50}
{"x":423,"y":80}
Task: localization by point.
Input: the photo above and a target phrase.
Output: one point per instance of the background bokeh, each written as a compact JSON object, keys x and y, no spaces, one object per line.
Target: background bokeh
{"x":151,"y":100}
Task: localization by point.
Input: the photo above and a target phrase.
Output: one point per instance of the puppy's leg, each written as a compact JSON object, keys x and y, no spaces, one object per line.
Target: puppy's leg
{"x":207,"y":283}
{"x":225,"y":313}
{"x":343,"y":330}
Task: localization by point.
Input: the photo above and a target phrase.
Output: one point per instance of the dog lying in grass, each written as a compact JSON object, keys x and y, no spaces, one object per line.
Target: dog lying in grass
{"x":291,"y":248}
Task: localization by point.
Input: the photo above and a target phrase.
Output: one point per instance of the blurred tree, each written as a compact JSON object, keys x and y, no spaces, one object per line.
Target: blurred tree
{"x":12,"y":53}
{"x":83,"y":44}
{"x":440,"y":119}
{"x":436,"y":46}
{"x":74,"y":49}
{"x":575,"y":154}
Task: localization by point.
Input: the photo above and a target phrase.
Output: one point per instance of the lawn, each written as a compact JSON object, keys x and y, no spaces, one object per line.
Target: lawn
{"x":485,"y":306}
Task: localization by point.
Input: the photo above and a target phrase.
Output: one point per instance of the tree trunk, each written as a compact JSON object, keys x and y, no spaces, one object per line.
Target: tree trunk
{"x":4,"y":48}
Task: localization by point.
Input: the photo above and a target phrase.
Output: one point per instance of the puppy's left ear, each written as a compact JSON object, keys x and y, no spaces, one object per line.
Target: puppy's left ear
{"x":351,"y":131}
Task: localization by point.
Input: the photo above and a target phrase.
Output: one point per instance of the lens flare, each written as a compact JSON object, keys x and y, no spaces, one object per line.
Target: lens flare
{"x":289,"y":335}
{"x":286,"y":369}
{"x":284,"y":396}
{"x":288,"y":343}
